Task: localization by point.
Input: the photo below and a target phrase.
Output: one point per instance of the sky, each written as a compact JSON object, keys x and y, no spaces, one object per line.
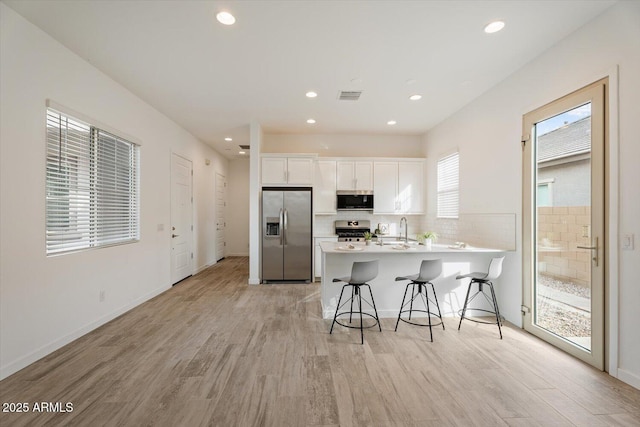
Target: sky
{"x":560,"y":120}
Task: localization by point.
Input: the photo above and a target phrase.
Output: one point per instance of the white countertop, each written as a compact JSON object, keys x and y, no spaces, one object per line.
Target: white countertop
{"x":359,"y":248}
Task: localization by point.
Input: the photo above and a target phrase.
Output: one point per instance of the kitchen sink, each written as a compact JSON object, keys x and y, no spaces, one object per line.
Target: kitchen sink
{"x":398,"y":242}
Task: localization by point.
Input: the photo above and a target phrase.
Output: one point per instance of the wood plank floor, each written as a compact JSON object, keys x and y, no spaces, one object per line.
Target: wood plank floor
{"x":215,"y":351}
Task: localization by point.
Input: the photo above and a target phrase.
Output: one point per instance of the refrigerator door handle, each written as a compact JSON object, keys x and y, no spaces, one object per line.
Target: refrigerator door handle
{"x":284,"y":232}
{"x":280,"y":225}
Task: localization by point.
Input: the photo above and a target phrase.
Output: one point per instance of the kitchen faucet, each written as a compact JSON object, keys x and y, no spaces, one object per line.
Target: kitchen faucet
{"x":406,"y":233}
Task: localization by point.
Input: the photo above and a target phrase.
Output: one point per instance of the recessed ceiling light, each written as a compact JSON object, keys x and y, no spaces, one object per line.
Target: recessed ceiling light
{"x":311,"y":121}
{"x":311,"y":94}
{"x":226,"y":18}
{"x":494,"y":27}
{"x":242,"y":152}
{"x":228,"y":139}
{"x":415,"y":97}
{"x":391,"y":122}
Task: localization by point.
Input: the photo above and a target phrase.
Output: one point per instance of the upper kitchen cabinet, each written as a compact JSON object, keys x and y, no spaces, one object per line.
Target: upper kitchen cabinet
{"x":352,"y":175}
{"x":324,"y":187}
{"x":289,"y":170}
{"x":398,"y":187}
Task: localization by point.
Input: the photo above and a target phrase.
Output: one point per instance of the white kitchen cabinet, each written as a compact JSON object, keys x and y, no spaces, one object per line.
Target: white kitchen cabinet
{"x":287,"y":171}
{"x":385,"y":187}
{"x":398,"y":187}
{"x":318,"y":253}
{"x":354,"y":175}
{"x":411,"y":187}
{"x":324,"y":187}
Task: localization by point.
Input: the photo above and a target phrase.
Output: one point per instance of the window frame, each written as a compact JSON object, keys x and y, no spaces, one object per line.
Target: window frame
{"x":450,"y":188}
{"x":104,"y":210}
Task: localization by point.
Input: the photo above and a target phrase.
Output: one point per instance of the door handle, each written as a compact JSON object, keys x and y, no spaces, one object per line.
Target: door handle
{"x":281,"y":229}
{"x":174,"y":236}
{"x":284,"y":233}
{"x":593,"y":248}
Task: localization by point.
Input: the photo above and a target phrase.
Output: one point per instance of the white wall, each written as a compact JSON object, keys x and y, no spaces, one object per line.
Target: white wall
{"x":46,"y":302}
{"x":238,"y":208}
{"x":344,"y":145}
{"x":256,"y":138}
{"x":488,"y":132}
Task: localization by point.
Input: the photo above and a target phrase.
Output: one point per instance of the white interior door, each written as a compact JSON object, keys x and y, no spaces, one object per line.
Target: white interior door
{"x":181,"y":218}
{"x":564,"y":216}
{"x":221,"y":221}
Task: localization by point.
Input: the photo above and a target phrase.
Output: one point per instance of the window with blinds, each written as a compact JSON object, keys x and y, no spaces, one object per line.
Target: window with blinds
{"x":92,"y":188}
{"x":448,"y":186}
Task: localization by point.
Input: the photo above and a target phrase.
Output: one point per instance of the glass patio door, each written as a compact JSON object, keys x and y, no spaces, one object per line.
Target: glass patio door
{"x":563,"y":228}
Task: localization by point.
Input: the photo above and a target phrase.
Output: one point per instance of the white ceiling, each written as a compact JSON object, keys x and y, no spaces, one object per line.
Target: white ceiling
{"x":213,"y":79}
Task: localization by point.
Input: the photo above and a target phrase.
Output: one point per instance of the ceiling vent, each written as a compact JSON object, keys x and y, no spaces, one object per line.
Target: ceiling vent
{"x":244,"y":147}
{"x":349,"y":95}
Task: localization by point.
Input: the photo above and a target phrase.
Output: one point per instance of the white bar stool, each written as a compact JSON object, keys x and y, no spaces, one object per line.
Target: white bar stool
{"x":361,"y":273}
{"x":495,"y":270}
{"x":430,"y":269}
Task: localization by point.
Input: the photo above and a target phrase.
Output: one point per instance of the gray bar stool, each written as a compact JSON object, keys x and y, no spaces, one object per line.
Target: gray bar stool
{"x":429,"y":270}
{"x":495,"y":270}
{"x":361,"y":273}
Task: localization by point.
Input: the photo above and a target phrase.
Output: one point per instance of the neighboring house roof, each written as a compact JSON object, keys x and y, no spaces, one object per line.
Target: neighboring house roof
{"x":571,"y":139}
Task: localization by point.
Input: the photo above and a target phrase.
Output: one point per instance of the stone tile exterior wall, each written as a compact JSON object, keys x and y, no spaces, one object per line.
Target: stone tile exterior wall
{"x":560,"y":230}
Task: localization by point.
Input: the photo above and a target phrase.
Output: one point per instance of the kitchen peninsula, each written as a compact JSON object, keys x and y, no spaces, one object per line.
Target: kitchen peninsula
{"x":401,"y":260}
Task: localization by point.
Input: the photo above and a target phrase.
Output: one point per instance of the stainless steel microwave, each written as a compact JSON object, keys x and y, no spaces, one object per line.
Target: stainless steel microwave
{"x":354,"y":200}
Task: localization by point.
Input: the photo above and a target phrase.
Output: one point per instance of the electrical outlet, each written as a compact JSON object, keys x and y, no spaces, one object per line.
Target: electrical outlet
{"x":627,"y":242}
{"x":102,"y":296}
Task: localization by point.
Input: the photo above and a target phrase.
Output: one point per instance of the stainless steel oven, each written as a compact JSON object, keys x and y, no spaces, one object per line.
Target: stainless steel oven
{"x":352,"y":231}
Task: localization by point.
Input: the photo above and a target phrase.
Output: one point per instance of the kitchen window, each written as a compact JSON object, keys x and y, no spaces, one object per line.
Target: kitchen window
{"x":92,"y":186}
{"x":448,"y":186}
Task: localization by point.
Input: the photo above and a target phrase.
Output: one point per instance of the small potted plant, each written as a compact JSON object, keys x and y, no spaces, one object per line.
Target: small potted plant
{"x":367,"y":238}
{"x":427,"y":238}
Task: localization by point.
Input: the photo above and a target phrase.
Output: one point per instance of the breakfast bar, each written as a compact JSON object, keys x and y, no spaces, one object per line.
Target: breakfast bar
{"x":400,"y":259}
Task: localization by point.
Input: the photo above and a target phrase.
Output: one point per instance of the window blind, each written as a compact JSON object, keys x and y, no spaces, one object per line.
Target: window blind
{"x":92,"y":186}
{"x":448,"y":186}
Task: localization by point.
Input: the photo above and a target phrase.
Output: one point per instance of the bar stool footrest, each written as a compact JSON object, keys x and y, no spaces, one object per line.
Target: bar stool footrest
{"x":432,"y":315}
{"x":466,"y":317}
{"x":337,"y":320}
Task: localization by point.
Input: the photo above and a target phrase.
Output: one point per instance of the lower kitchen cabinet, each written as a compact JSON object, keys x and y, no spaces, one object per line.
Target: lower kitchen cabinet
{"x":317,"y":254}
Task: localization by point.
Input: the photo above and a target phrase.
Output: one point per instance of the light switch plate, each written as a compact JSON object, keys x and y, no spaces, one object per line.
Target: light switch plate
{"x":627,"y":242}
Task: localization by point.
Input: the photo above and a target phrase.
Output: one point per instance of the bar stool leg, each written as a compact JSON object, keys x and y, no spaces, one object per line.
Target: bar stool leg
{"x":437,"y":305}
{"x":337,"y":308}
{"x":360,"y":307}
{"x":406,"y":289}
{"x":353,"y":290}
{"x":466,"y":301}
{"x":495,"y":306}
{"x":375,"y":310}
{"x":413,"y":295}
{"x":420,"y":287}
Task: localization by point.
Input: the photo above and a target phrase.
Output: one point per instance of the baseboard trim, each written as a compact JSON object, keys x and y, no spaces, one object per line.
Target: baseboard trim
{"x":24,"y":361}
{"x":204,"y":267}
{"x":628,"y":377}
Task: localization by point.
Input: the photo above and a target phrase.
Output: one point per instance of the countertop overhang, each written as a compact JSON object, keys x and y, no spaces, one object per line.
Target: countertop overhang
{"x":361,"y":248}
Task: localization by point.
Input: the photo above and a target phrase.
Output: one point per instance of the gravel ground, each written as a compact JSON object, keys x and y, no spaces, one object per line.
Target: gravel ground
{"x":567,"y":287}
{"x":564,"y":322}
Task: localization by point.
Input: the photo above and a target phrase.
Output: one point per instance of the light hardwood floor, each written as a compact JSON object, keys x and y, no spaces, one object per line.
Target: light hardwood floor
{"x":215,"y":351}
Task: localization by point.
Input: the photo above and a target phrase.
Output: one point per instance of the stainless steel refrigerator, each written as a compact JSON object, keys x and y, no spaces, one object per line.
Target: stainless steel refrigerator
{"x":286,"y":234}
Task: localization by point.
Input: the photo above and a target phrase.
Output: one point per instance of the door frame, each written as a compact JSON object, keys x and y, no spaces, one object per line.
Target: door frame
{"x":224,"y":207}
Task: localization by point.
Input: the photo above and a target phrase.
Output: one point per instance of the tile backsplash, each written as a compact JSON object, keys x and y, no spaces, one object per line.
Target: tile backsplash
{"x":496,"y":231}
{"x":324,"y":224}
